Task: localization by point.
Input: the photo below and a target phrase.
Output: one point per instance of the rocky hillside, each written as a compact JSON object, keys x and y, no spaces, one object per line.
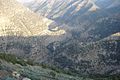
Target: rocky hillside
{"x":86,"y":20}
{"x":24,"y":33}
{"x":92,"y":49}
{"x":80,"y":36}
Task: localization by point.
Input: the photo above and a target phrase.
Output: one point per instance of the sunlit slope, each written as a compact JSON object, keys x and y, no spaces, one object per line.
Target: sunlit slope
{"x":24,"y":32}
{"x":19,"y":21}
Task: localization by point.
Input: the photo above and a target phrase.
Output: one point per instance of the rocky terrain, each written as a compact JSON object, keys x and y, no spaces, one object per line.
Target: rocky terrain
{"x":81,"y":37}
{"x":24,"y":32}
{"x":86,"y":20}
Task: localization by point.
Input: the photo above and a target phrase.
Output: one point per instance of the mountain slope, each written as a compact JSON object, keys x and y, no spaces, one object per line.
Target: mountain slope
{"x":23,"y":32}
{"x":23,"y":20}
{"x":101,"y":57}
{"x":81,"y":18}
{"x":58,"y":8}
{"x":81,"y":37}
